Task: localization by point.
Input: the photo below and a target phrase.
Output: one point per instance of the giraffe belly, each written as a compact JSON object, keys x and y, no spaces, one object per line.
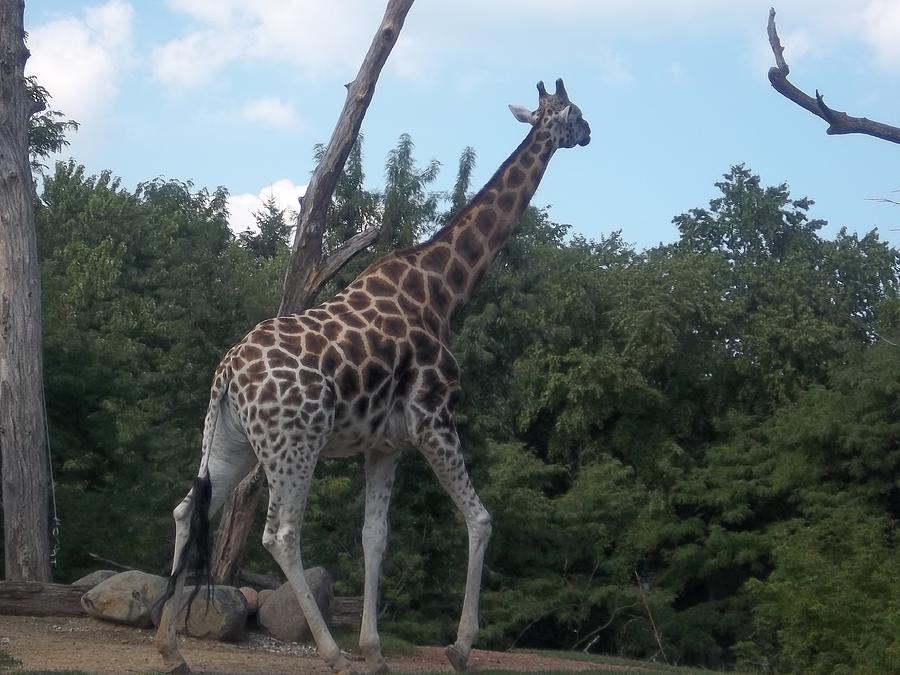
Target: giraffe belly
{"x":354,"y":435}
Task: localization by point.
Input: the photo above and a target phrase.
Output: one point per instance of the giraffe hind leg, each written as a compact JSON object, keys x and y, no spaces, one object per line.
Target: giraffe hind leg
{"x":229,"y":460}
{"x":438,"y":441}
{"x":191,"y":539}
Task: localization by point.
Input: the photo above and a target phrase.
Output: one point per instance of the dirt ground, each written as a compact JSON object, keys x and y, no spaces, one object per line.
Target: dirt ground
{"x":85,"y":644}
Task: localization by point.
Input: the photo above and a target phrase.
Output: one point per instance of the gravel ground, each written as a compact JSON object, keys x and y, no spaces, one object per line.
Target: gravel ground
{"x":85,"y":644}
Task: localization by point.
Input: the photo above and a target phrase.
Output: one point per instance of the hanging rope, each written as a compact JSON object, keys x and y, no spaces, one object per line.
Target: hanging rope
{"x":54,"y":530}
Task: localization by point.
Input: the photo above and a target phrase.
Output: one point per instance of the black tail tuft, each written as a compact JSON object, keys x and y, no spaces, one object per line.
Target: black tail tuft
{"x":196,"y":556}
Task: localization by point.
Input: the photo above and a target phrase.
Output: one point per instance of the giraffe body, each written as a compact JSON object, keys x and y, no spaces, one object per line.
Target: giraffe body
{"x":370,"y":372}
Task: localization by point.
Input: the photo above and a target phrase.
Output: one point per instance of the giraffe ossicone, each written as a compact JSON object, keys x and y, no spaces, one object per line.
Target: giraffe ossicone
{"x":369,"y":372}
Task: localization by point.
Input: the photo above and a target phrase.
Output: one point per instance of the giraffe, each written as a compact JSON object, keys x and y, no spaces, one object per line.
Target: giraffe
{"x":368,"y":372}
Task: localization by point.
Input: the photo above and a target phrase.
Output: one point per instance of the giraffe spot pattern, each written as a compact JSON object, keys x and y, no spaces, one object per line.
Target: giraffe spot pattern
{"x":359,"y":300}
{"x":379,"y":287}
{"x":457,"y":277}
{"x":469,"y":247}
{"x":485,"y":220}
{"x":436,"y":260}
{"x":393,"y":270}
{"x":414,"y":285}
{"x":506,"y":202}
{"x":515,"y":178}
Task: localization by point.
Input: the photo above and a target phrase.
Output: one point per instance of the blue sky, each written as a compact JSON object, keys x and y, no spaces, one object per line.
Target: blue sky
{"x":236,"y":92}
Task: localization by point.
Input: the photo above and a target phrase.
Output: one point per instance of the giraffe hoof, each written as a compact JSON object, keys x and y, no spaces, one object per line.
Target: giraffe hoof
{"x":179,"y":668}
{"x":457,"y":659}
{"x":345,"y":667}
{"x":379,"y":668}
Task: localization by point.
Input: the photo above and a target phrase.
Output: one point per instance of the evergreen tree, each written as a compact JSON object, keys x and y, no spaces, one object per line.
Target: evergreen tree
{"x":273,"y":233}
{"x":353,"y":208}
{"x":459,"y":195}
{"x":408,"y":206}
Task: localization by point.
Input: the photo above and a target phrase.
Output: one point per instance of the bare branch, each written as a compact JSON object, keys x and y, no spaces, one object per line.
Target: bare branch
{"x":838,"y":122}
{"x":348,"y":250}
{"x":539,"y":617}
{"x":311,"y":226}
{"x":111,"y":563}
{"x":656,"y":633}
{"x":591,"y":638}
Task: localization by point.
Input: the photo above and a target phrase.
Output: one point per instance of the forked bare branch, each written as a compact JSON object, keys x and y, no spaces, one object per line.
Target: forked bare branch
{"x":838,"y":122}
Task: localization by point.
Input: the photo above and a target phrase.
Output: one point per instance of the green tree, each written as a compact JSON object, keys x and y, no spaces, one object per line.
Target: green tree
{"x":144,"y":290}
{"x":353,"y":208}
{"x":47,"y":129}
{"x":459,"y":195}
{"x":408,"y":206}
{"x":273,"y":231}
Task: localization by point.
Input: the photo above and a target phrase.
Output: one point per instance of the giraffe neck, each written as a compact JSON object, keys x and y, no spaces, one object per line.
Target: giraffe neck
{"x":462,"y":250}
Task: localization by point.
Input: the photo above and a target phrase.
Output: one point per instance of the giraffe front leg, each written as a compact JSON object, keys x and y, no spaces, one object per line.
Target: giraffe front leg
{"x":439,"y":443}
{"x":478,"y":525}
{"x":380,"y":470}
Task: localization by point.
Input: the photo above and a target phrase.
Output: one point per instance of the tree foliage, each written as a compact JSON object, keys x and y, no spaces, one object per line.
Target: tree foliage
{"x":47,"y":128}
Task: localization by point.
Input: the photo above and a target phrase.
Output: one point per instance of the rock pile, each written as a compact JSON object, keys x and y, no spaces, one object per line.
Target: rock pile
{"x":131,"y":598}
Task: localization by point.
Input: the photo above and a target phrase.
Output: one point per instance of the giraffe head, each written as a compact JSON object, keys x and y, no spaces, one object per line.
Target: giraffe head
{"x":557,"y":114}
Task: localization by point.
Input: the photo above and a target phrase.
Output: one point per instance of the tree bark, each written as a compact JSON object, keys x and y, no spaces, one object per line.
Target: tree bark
{"x":308,"y":271}
{"x":32,"y":598}
{"x":23,"y":442}
{"x":234,"y":529}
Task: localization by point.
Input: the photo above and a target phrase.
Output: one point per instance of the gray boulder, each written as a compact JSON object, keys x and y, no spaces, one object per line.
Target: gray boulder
{"x":280,"y":613}
{"x":221,"y":619}
{"x":126,"y":597}
{"x":94,"y":578}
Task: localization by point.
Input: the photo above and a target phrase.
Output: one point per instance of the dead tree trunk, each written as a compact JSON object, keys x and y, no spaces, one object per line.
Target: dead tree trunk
{"x":22,"y":437}
{"x":31,"y":598}
{"x":234,"y":528}
{"x":308,"y":271}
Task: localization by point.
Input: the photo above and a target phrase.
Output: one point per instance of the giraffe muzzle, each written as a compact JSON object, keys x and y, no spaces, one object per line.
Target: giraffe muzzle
{"x":585,"y":135}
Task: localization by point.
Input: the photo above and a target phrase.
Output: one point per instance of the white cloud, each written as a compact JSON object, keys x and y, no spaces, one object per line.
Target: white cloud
{"x":242,"y":207}
{"x":209,"y":11}
{"x":613,"y":69}
{"x":881,"y":28}
{"x":193,"y":59}
{"x":797,"y":44}
{"x":822,"y":29}
{"x":309,"y":35}
{"x":649,"y":14}
{"x":80,"y":61}
{"x":271,"y":112}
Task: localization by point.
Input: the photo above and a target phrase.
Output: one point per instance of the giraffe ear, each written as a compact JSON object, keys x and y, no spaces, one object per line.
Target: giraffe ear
{"x":521,"y":113}
{"x":564,"y":114}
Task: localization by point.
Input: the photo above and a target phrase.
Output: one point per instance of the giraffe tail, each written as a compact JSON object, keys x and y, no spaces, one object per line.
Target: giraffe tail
{"x":195,"y":556}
